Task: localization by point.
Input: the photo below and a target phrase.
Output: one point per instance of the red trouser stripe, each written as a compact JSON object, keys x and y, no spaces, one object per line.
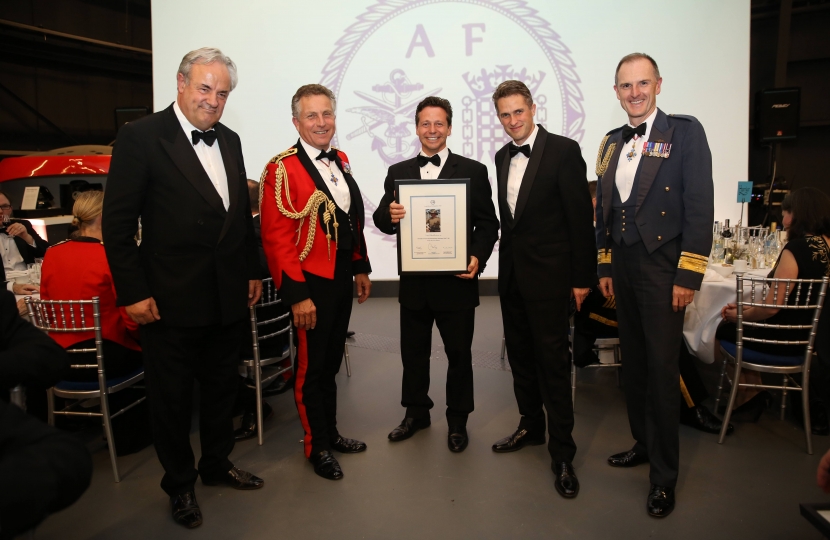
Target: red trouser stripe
{"x":302,"y":368}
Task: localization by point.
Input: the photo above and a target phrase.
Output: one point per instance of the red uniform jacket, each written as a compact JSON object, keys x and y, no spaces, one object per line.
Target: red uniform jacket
{"x":305,"y":199}
{"x":78,"y":270}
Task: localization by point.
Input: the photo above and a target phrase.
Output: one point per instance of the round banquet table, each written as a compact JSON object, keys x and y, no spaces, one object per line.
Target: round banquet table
{"x":703,"y":314}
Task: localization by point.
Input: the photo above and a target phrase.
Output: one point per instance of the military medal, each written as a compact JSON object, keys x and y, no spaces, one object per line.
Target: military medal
{"x":328,"y":166}
{"x":657,"y":149}
{"x":632,"y":153}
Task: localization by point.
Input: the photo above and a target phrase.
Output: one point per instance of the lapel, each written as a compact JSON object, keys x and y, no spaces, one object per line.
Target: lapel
{"x":449,"y":168}
{"x":356,"y":205}
{"x":180,"y":149}
{"x":610,"y":177}
{"x":660,"y":132}
{"x":530,"y":172}
{"x":504,"y":210}
{"x":232,"y":172}
{"x":312,"y":171}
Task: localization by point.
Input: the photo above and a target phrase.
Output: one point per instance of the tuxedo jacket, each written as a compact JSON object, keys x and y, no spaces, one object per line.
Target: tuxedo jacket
{"x":28,"y":252}
{"x":548,"y":246}
{"x":675,"y":197}
{"x":195,"y":257}
{"x":284,"y":233}
{"x":446,"y":292}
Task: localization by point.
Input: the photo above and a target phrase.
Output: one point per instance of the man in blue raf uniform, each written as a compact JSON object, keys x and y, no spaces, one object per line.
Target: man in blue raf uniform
{"x":654,"y":217}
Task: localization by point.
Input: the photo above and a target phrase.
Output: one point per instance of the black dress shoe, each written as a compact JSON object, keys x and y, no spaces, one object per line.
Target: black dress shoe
{"x":660,"y":501}
{"x":237,"y":479}
{"x":627,"y":459}
{"x":408,"y":428}
{"x":186,"y":510}
{"x":518,"y":440}
{"x":326,"y":465}
{"x":348,"y":446}
{"x":248,"y":428}
{"x":566,"y":483}
{"x":278,"y":387}
{"x":457,"y":438}
{"x":701,"y":419}
{"x":349,"y":333}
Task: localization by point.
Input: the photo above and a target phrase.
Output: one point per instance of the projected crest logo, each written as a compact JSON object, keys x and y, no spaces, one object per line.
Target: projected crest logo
{"x":401,"y":51}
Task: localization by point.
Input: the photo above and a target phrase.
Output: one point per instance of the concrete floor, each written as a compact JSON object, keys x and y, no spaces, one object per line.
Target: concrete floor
{"x":749,"y":487}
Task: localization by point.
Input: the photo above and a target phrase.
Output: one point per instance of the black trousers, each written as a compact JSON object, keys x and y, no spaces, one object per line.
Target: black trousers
{"x":320,"y":353}
{"x":650,"y":338}
{"x":175,"y":357}
{"x":536,"y":336}
{"x":456,"y":328}
{"x":692,"y":388}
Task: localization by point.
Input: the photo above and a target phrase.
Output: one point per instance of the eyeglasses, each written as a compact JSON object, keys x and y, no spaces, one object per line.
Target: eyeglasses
{"x":5,"y":207}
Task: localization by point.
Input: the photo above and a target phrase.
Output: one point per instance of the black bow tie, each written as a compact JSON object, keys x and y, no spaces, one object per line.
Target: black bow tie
{"x":208,"y":136}
{"x":523,"y":149}
{"x":331,"y":155}
{"x":629,"y":132}
{"x":423,"y":160}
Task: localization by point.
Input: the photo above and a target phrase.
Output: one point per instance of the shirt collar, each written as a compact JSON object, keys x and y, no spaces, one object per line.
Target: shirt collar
{"x":185,"y":123}
{"x":443,"y":154}
{"x":531,"y":138}
{"x":312,"y":151}
{"x":649,"y":123}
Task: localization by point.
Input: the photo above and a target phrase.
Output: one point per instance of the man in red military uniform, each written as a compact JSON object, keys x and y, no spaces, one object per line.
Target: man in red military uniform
{"x":312,"y":232}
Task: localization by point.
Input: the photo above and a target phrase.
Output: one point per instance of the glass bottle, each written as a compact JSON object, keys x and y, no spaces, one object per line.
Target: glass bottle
{"x":728,"y":245}
{"x":717,"y":244}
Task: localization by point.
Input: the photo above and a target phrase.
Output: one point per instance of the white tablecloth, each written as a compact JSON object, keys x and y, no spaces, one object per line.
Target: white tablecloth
{"x":703,"y":315}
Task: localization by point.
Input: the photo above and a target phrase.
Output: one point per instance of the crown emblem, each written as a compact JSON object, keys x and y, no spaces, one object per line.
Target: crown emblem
{"x":485,"y":83}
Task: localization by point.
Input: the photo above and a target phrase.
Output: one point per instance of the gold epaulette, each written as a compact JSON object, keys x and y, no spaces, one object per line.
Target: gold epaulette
{"x":604,"y":256}
{"x":290,"y":152}
{"x":603,"y":159}
{"x":693,"y":261}
{"x":315,"y":201}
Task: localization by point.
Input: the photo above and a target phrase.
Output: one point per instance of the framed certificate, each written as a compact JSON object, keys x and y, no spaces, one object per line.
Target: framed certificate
{"x":433,"y":237}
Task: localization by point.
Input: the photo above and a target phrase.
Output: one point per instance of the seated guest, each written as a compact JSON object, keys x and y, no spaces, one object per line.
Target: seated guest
{"x":806,"y":218}
{"x":20,"y":244}
{"x":77,"y":269}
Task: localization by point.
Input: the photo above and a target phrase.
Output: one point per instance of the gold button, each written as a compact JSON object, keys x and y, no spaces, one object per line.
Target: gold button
{"x":623,"y":211}
{"x":667,"y":188}
{"x":659,"y":237}
{"x":662,"y":213}
{"x":623,"y":229}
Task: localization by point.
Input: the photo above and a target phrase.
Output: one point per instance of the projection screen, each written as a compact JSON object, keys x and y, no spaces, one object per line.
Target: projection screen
{"x":381,"y":57}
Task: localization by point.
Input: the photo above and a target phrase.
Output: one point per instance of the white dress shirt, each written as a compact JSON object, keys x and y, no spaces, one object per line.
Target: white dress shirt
{"x":12,"y":259}
{"x":209,"y":156}
{"x":626,"y":170}
{"x":518,"y":166}
{"x":430,"y":171}
{"x":339,"y":190}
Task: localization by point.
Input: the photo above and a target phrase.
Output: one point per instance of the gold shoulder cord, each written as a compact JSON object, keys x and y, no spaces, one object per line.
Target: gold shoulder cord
{"x":602,"y":162}
{"x":309,"y":211}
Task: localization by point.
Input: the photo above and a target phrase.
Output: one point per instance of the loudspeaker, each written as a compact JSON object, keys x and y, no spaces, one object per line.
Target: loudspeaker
{"x":777,"y":113}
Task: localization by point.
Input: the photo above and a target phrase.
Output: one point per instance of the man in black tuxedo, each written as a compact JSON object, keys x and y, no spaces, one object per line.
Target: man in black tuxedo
{"x":545,"y":257}
{"x":192,"y":279}
{"x":446,"y":300}
{"x":20,"y":245}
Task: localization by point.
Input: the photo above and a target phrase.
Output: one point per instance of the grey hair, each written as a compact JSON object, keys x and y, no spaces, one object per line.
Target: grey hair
{"x":311,"y":90}
{"x":204,"y":56}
